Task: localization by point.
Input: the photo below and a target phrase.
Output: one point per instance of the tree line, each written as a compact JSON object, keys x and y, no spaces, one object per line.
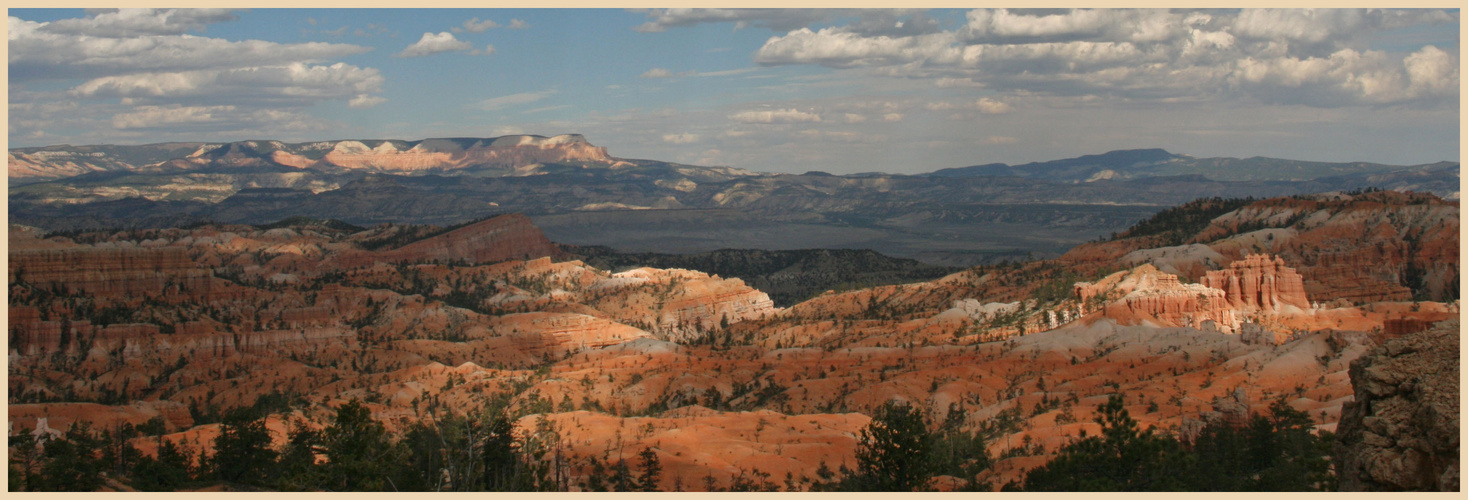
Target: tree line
{"x":480,"y":452}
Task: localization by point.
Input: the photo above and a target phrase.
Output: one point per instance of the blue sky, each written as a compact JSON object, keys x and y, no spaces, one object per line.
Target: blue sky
{"x":842,"y":91}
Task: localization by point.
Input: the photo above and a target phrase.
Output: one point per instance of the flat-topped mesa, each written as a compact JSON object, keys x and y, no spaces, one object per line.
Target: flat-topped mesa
{"x":1147,"y":295}
{"x":1259,"y":283}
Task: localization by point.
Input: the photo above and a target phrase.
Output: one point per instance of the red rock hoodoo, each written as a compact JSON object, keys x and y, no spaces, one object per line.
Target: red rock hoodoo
{"x":1259,"y":283}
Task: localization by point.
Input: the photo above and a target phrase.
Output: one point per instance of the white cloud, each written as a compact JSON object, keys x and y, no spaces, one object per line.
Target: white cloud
{"x":159,"y":116}
{"x":36,"y":53}
{"x":983,"y":105}
{"x":664,"y":73}
{"x":854,"y":118}
{"x":1349,"y":77}
{"x":842,"y":49}
{"x":488,"y":49}
{"x":989,"y":106}
{"x":296,"y":81}
{"x":1432,"y":71}
{"x":547,"y":108}
{"x":1277,"y":56}
{"x":502,"y":102}
{"x":131,"y":23}
{"x":892,"y":117}
{"x":775,"y":116}
{"x":365,"y":101}
{"x":729,"y":72}
{"x":1114,"y":25}
{"x":774,"y":19}
{"x":135,"y":74}
{"x":474,"y":25}
{"x":516,"y":24}
{"x":947,"y":82}
{"x":680,"y":138}
{"x":1000,"y":139}
{"x":202,"y":119}
{"x":435,"y":43}
{"x":867,"y":21}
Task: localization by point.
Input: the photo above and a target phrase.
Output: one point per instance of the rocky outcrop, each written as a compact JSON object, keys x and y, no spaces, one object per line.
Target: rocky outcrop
{"x":553,"y":333}
{"x":679,"y":304}
{"x":1145,"y":294}
{"x":1402,"y":431}
{"x":1259,"y":283}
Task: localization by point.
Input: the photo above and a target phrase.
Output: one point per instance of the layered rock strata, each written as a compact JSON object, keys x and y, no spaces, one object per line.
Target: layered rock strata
{"x":1259,"y":283}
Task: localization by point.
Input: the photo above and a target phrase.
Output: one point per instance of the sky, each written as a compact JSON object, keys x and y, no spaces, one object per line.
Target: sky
{"x":789,"y":90}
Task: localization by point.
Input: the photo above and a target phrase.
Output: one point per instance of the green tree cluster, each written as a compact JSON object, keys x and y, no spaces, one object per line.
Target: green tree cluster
{"x":897,"y":452}
{"x":1277,"y":452}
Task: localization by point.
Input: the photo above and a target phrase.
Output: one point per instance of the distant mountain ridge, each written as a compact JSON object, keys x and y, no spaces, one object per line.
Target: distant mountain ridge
{"x":439,"y":155}
{"x":579,"y":194}
{"x":1141,"y":163}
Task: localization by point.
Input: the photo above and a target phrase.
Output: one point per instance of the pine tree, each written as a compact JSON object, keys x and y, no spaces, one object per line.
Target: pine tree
{"x":894,"y":452}
{"x":652,"y":470}
{"x":242,"y":452}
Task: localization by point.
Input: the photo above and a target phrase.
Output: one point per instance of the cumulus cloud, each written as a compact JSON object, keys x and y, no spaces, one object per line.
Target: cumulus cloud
{"x":1301,"y":56}
{"x":1349,"y":77}
{"x":511,"y":100}
{"x":657,"y":73}
{"x":516,"y":24}
{"x":432,"y":43}
{"x":680,"y":138}
{"x":775,"y":116}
